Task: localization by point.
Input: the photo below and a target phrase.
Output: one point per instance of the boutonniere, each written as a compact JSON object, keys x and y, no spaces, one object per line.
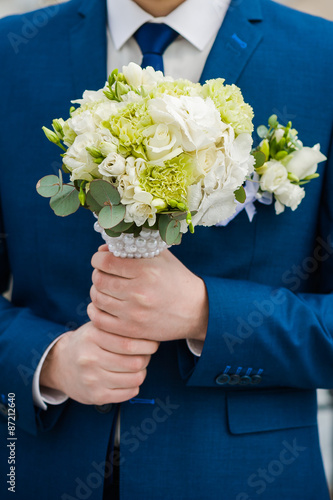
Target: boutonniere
{"x":283,"y":167}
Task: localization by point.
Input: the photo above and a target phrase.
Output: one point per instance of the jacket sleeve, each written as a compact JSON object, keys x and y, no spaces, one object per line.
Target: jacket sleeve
{"x":261,"y":337}
{"x":23,"y":340}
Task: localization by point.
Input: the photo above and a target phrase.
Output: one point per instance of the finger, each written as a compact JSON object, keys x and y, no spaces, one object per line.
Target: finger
{"x":105,"y":321}
{"x":110,"y":285}
{"x":108,"y":263}
{"x":122,"y":345}
{"x":121,"y":363}
{"x":103,"y":248}
{"x":119,"y":395}
{"x":117,"y":380}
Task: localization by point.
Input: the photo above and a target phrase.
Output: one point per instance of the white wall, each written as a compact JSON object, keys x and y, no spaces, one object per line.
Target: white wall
{"x":323,"y":8}
{"x":8,"y":7}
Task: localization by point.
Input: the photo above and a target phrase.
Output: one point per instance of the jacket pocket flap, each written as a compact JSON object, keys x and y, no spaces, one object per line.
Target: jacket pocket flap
{"x":260,"y":411}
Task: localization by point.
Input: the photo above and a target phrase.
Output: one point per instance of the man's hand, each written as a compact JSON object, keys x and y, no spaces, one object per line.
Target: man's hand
{"x":96,"y":367}
{"x":155,"y":299}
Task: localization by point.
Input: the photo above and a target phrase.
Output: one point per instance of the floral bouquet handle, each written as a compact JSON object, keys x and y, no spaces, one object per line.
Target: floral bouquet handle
{"x":147,"y":245}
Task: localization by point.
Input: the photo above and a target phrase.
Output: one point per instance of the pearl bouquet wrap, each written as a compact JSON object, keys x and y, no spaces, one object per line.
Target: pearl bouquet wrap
{"x":147,"y":245}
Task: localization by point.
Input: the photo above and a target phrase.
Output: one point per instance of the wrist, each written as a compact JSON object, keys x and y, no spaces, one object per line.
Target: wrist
{"x":200,"y":307}
{"x":51,"y":368}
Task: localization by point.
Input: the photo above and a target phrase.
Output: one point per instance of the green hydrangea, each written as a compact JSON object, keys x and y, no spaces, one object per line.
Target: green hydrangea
{"x":230,"y":102}
{"x":169,"y":181}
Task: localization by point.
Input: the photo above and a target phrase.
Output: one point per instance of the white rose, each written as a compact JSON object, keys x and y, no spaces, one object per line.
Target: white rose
{"x":198,"y":120}
{"x":289,"y":195}
{"x":113,"y":165}
{"x":162,"y":142}
{"x":275,"y":175}
{"x":305,"y":161}
{"x":206,"y":159}
{"x":82,"y":122}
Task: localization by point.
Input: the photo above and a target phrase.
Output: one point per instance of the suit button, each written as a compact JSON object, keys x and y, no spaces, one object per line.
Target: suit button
{"x":104,"y":408}
{"x":3,"y":410}
{"x":245,"y":380}
{"x":222,"y":379}
{"x":234,"y":380}
{"x":256,"y":379}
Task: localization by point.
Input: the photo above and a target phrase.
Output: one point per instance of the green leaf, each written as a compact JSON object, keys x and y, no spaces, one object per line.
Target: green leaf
{"x":111,"y":215}
{"x":66,"y":202}
{"x":122,"y":226}
{"x":182,"y":215}
{"x":262,"y":131}
{"x":92,"y":204}
{"x":111,"y":233}
{"x":104,"y":193}
{"x":260,"y":158}
{"x":60,"y":179}
{"x":65,"y":169}
{"x":169,"y":229}
{"x":178,"y":240}
{"x":48,"y":186}
{"x":240,"y":194}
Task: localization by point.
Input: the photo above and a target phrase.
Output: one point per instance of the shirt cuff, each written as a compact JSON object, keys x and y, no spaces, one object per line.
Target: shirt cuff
{"x":195,"y":346}
{"x":44,"y":395}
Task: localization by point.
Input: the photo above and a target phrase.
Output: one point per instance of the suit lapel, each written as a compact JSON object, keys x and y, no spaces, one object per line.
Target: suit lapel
{"x":89,"y":46}
{"x":236,"y":41}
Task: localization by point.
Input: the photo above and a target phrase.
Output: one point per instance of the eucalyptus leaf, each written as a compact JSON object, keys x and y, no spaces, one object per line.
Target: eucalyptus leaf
{"x":262,"y":131}
{"x":66,"y":202}
{"x":48,"y":186}
{"x":178,"y":240}
{"x":260,"y":158}
{"x":122,"y":226}
{"x":61,"y":182}
{"x":273,"y":121}
{"x":240,"y":194}
{"x":111,"y":215}
{"x":92,"y":204}
{"x":104,"y":193}
{"x":111,"y":233}
{"x":169,"y":229}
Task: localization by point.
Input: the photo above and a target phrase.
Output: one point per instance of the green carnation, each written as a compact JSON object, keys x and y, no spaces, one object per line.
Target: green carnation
{"x":128,"y":126}
{"x":230,"y":102}
{"x":177,"y":88}
{"x":169,"y":182}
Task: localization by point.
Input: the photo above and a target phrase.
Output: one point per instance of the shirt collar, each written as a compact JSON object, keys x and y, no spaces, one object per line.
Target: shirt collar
{"x":195,"y":20}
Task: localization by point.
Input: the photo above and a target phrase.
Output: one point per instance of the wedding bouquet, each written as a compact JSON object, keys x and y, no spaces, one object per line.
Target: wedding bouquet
{"x":152,"y":157}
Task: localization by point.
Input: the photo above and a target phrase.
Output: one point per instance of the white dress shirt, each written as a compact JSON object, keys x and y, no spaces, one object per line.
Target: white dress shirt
{"x":197,"y":23}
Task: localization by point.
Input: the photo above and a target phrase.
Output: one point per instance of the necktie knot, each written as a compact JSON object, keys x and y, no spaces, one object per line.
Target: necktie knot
{"x":153,"y":39}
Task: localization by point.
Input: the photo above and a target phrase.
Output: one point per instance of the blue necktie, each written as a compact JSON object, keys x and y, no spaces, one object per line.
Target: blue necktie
{"x":153,"y":40}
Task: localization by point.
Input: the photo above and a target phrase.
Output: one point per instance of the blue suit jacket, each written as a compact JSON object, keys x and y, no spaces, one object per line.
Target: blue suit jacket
{"x":241,"y":422}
